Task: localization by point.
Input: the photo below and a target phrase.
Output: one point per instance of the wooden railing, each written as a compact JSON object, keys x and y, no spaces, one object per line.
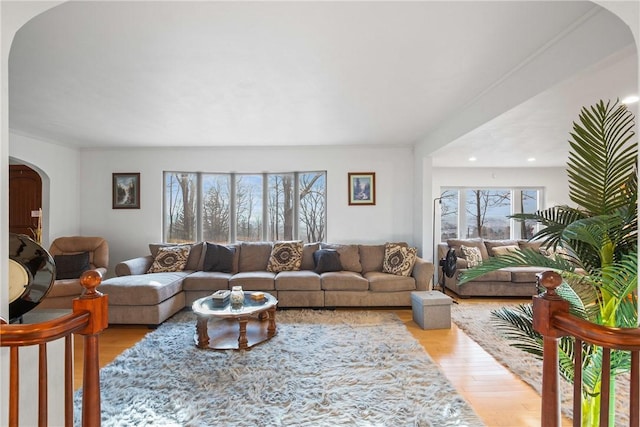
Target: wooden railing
{"x":89,"y":318}
{"x":552,"y":320}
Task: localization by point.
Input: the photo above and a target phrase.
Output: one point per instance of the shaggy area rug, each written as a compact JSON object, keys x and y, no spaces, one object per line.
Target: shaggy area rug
{"x":323,"y":368}
{"x":476,"y":321}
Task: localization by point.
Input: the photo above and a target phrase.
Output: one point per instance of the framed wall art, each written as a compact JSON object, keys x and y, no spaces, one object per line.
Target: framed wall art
{"x":362,"y":188}
{"x":126,"y":191}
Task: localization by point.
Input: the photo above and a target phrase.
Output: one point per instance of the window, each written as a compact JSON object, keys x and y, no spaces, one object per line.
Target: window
{"x":222,"y":208}
{"x":484,"y":212}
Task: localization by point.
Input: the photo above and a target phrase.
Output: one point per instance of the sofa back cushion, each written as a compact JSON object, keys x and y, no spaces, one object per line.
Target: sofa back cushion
{"x":490,"y":244}
{"x":349,"y":256}
{"x":254,"y":256}
{"x":535,"y":245}
{"x":371,"y":257}
{"x":307,"y":255}
{"x":458,"y":243}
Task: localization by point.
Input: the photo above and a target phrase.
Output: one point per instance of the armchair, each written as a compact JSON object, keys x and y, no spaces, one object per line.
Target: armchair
{"x":67,"y":286}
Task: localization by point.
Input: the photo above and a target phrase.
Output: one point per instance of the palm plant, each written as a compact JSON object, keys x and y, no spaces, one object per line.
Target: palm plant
{"x":600,"y":235}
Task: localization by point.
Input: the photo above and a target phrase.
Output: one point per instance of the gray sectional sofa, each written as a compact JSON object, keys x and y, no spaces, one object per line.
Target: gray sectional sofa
{"x":506,"y":282}
{"x":138,"y":297}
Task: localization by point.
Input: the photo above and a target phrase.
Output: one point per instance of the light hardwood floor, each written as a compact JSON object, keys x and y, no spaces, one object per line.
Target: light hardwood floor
{"x":498,"y":397}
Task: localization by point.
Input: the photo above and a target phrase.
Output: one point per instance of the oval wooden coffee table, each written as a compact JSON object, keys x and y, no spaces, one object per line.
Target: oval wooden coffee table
{"x":233,"y":329}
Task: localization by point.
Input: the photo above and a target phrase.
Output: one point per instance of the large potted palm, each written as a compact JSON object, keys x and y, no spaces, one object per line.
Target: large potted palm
{"x":599,"y":238}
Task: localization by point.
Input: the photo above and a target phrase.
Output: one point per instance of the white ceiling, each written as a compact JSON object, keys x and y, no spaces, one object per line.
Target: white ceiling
{"x":102,"y":74}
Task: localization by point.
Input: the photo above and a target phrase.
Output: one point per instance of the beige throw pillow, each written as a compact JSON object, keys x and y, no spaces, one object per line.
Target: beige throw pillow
{"x":170,"y":258}
{"x":472,"y":255}
{"x":285,"y":256}
{"x":398,"y":259}
{"x":505,"y":250}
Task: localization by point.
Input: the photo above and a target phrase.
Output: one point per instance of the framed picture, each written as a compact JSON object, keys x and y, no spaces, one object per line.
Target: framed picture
{"x":362,"y":188}
{"x":126,"y":191}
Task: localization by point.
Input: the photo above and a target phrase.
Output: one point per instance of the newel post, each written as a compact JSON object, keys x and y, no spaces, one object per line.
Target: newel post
{"x":545,"y":306}
{"x":98,"y":305}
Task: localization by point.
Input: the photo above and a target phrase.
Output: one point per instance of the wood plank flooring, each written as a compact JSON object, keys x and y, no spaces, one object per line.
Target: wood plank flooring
{"x":498,"y":397}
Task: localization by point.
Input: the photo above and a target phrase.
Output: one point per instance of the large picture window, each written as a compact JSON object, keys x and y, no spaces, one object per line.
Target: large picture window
{"x":223,"y":208}
{"x":484,"y":212}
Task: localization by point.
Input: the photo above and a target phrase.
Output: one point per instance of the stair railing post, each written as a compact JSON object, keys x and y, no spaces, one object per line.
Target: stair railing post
{"x":545,"y":306}
{"x":98,"y":305}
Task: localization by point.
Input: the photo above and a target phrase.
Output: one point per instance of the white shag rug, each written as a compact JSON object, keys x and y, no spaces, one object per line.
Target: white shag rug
{"x":476,"y":321}
{"x":323,"y":368}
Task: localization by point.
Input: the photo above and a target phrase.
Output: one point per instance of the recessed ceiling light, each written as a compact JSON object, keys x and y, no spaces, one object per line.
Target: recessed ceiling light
{"x":630,"y":99}
{"x":531,"y":159}
{"x":472,"y":159}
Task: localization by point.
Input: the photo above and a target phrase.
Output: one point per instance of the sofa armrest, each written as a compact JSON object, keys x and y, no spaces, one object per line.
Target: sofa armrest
{"x":134,"y":266}
{"x":423,"y":273}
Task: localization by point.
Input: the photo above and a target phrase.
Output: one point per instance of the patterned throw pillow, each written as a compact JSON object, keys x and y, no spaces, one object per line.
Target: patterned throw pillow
{"x":285,"y":256}
{"x":398,"y":259}
{"x":472,"y":255}
{"x":170,"y":258}
{"x":552,"y":253}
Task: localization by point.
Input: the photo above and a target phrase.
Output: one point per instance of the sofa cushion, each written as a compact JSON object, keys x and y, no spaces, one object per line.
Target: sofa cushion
{"x":349,"y":256}
{"x":143,"y":289}
{"x":71,"y":266}
{"x":385,"y":282}
{"x":170,"y":258}
{"x":344,"y":281}
{"x":371,"y":257}
{"x":303,"y":280}
{"x":254,"y":256}
{"x":398,"y":259}
{"x":206,"y":281}
{"x":472,"y":255}
{"x":285,"y":256}
{"x":218,"y":258}
{"x":196,"y":253}
{"x":456,"y":244}
{"x":505,"y":250}
{"x":501,"y":275}
{"x":254,"y":280}
{"x":524,"y":274}
{"x":327,"y":260}
{"x":490,"y":244}
{"x":307,"y":256}
{"x":526,"y":244}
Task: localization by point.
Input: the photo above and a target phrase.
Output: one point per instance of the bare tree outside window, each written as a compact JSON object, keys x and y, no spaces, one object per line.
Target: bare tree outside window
{"x":180,"y":200}
{"x":487,"y":213}
{"x":448,"y":215}
{"x":249,"y":207}
{"x":280,"y":206}
{"x":313,"y":196}
{"x":528,"y":204}
{"x":216,"y":213}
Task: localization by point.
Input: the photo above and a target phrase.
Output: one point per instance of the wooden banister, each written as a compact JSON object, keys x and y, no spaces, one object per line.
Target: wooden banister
{"x":89,"y":318}
{"x":552,"y":320}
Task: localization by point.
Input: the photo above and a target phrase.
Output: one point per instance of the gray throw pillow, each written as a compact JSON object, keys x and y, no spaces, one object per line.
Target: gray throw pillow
{"x":327,"y":260}
{"x":218,"y":258}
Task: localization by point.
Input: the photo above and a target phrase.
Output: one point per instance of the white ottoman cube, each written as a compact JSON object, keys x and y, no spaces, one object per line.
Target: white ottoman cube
{"x":431,"y":309}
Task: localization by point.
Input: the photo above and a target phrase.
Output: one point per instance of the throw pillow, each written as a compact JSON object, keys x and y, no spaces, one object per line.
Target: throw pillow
{"x":170,"y":258}
{"x":218,"y":258}
{"x":285,"y":256}
{"x":349,"y":256}
{"x":472,"y":255}
{"x":552,"y":253}
{"x":327,"y":260}
{"x":398,"y":259}
{"x":71,"y":266}
{"x":505,"y":250}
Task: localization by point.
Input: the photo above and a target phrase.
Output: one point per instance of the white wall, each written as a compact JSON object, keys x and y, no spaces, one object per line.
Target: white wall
{"x":129,"y":231}
{"x":58,"y":167}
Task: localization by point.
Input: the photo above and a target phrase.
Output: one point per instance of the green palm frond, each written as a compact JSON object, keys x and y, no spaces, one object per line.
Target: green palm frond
{"x":516,"y":324}
{"x":583,"y":300}
{"x":601,"y":157}
{"x":553,"y":220}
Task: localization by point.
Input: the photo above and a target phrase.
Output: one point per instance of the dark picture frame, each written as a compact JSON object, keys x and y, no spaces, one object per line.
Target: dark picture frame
{"x":126,"y":191}
{"x":362,"y":188}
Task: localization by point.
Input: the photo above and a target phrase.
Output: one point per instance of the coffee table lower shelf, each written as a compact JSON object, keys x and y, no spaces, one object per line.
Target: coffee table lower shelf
{"x":225,"y":334}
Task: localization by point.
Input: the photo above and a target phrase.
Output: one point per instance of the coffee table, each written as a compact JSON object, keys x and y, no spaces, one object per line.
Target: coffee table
{"x":233,"y":329}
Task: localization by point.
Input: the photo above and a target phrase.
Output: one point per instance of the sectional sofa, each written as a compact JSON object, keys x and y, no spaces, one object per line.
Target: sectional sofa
{"x":359,"y":280}
{"x":506,"y":282}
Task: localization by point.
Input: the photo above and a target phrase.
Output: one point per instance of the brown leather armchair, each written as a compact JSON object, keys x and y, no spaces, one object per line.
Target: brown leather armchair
{"x":65,"y":290}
